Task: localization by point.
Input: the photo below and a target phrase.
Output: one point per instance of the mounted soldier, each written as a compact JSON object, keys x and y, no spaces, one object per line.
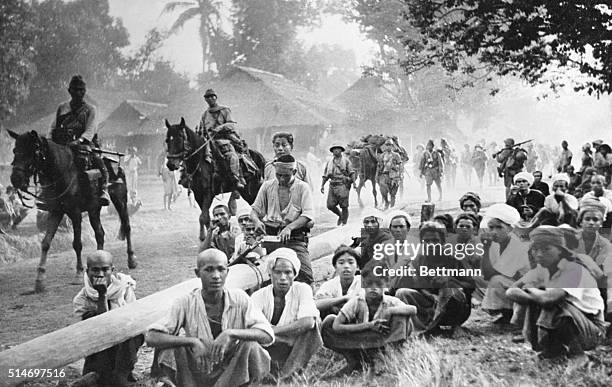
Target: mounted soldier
{"x":217,"y":124}
{"x":75,"y":125}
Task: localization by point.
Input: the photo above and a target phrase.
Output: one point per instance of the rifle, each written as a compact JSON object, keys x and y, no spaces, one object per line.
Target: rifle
{"x":106,"y":152}
{"x":494,"y":155}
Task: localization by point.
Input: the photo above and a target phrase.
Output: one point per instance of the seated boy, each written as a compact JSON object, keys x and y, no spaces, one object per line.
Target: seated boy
{"x":105,"y":290}
{"x":566,"y":316}
{"x":290,"y":308}
{"x":369,"y":323}
{"x":248,"y":243}
{"x":222,"y":234}
{"x":440,"y":300}
{"x":333,"y":294}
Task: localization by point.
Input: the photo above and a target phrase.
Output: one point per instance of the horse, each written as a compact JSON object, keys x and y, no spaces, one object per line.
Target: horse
{"x":366,"y":164}
{"x":186,"y":149}
{"x":54,"y":167}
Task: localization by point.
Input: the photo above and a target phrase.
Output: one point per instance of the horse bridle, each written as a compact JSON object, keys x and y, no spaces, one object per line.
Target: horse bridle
{"x":186,"y":151}
{"x":32,"y":170}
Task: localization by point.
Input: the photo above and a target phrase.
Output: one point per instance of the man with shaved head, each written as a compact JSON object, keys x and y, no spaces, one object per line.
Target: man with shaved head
{"x":105,"y":290}
{"x":224,"y":332}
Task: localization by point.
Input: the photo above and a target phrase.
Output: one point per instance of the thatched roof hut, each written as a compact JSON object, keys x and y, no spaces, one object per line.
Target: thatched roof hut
{"x":262,"y":103}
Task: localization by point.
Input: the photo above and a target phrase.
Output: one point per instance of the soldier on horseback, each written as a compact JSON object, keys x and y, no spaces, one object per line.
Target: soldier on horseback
{"x":75,"y":125}
{"x":217,"y":124}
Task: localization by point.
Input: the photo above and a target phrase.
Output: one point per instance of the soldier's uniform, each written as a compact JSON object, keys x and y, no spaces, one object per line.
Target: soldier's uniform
{"x":75,"y":125}
{"x":341,"y":175}
{"x":389,"y":173}
{"x":509,"y":165}
{"x":217,"y":123}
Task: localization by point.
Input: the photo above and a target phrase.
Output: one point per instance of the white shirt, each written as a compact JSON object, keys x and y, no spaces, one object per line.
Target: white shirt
{"x":513,"y":259}
{"x":552,"y":204}
{"x":299,"y":303}
{"x":333,"y":288}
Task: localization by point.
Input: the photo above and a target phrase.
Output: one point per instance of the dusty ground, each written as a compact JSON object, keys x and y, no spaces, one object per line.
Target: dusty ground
{"x":166,"y":244}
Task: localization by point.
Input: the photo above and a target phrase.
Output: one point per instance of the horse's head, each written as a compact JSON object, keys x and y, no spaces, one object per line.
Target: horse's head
{"x":27,"y":159}
{"x":178,"y":144}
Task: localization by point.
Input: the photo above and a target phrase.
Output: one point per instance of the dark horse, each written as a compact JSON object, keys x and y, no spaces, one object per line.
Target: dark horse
{"x":54,"y":167}
{"x":186,"y":148}
{"x":365,"y":163}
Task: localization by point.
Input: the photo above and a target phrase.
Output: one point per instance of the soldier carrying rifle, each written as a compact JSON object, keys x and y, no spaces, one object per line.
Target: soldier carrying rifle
{"x":511,"y":160}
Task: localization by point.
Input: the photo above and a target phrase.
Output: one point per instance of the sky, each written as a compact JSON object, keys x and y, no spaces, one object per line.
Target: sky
{"x":184,"y":50}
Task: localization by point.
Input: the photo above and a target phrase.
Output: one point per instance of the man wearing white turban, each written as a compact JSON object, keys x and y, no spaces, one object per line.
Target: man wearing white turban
{"x":505,"y":259}
{"x":525,"y":196}
{"x":560,"y":201}
{"x":372,"y":234}
{"x":290,"y":307}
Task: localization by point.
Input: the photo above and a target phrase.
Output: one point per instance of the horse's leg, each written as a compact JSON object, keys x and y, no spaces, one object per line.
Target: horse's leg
{"x":374,"y":191}
{"x":53,"y":221}
{"x":204,"y":215}
{"x":358,"y":189}
{"x":96,"y":225}
{"x":118,"y":195}
{"x":76,"y":217}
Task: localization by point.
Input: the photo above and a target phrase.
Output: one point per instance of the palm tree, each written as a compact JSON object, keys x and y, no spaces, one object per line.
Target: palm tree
{"x":208,"y":11}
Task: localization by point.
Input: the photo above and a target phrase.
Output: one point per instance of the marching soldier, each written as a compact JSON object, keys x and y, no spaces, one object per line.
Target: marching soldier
{"x":390,"y":169}
{"x":340,"y":174}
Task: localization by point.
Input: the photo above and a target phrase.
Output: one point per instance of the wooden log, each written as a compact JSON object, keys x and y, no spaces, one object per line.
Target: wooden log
{"x":74,"y":342}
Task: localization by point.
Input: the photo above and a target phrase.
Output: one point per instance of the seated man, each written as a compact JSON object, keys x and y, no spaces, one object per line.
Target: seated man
{"x":565,"y":315}
{"x":372,"y":234}
{"x":560,"y":202}
{"x":369,"y":323}
{"x":221,"y":235}
{"x":106,"y":290}
{"x":440,"y":300}
{"x":525,"y":194}
{"x":248,"y":243}
{"x":284,"y":207}
{"x":333,"y":294}
{"x":224,"y":332}
{"x":290,"y":308}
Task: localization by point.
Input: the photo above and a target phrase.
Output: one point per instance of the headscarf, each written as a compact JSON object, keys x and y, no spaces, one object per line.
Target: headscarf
{"x":473,"y":196}
{"x":285,"y":163}
{"x":373,"y":212}
{"x":561,"y":177}
{"x":549,"y":235}
{"x":284,"y":253}
{"x":523,"y":175}
{"x":396,"y":214}
{"x":503,"y":213}
{"x":433,"y":226}
{"x":590,"y":204}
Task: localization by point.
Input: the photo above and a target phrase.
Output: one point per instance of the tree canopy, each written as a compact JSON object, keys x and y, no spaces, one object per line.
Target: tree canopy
{"x":538,"y":40}
{"x":16,"y":67}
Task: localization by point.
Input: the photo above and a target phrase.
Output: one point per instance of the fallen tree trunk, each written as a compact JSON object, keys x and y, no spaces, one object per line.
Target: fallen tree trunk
{"x":74,"y":342}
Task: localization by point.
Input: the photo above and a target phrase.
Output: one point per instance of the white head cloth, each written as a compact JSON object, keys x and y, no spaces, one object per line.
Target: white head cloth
{"x":523,"y":175}
{"x":284,"y":253}
{"x":502,"y":212}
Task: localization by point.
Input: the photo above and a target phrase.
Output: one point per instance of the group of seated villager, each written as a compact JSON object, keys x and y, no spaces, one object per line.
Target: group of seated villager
{"x":550,"y":275}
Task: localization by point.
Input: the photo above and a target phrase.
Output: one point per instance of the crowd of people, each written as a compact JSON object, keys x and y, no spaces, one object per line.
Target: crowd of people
{"x":546,"y":271}
{"x":541,"y":261}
